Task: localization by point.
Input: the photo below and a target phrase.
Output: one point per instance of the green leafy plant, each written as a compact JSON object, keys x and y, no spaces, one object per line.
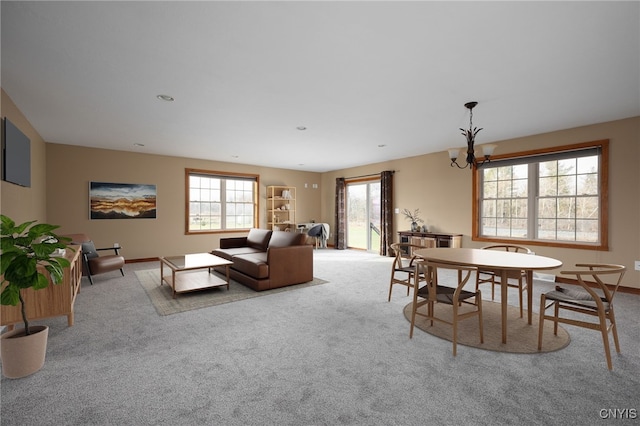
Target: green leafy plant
{"x":24,"y":248}
{"x":412,"y":216}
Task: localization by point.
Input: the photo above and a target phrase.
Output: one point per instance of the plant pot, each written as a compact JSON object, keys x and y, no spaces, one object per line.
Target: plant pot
{"x":23,"y":355}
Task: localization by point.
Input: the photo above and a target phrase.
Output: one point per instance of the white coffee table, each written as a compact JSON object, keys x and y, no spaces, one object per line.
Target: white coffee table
{"x":193,"y":281}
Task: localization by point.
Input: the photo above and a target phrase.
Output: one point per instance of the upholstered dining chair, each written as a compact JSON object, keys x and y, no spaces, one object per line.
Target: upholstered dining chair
{"x":490,"y":276}
{"x":591,"y":301}
{"x":403,"y":268}
{"x":317,"y":232}
{"x":433,"y":293}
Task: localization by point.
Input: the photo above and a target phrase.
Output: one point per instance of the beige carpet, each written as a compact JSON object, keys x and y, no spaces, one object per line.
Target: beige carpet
{"x":162,"y":299}
{"x":521,"y":337}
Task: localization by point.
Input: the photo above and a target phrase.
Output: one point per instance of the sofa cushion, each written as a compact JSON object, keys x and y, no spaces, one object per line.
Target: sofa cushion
{"x":252,"y":264}
{"x":229,"y":253}
{"x":286,"y":239}
{"x":259,"y":238}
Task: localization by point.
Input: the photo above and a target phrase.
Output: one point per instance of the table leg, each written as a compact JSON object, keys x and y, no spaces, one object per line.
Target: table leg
{"x":161,"y":271}
{"x":228,"y":279}
{"x":529,"y":294}
{"x":503,"y":301}
{"x":173,"y":282}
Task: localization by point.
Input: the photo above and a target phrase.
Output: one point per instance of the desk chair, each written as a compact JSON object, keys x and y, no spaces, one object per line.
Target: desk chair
{"x":587,"y":302}
{"x":317,"y":232}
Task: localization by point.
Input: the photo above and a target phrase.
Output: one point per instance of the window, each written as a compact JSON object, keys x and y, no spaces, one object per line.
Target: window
{"x":220,"y":201}
{"x":549,"y":197}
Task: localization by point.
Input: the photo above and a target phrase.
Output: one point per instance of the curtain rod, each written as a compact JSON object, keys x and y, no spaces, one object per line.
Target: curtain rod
{"x":364,"y":176}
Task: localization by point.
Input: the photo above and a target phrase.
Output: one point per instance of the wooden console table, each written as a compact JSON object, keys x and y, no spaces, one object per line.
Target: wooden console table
{"x":53,"y":301}
{"x":430,"y":239}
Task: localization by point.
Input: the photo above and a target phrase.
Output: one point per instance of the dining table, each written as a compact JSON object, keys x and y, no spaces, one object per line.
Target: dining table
{"x":500,"y":261}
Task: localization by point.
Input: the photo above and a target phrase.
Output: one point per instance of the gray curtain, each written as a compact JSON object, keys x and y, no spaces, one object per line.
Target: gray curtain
{"x":341,"y":216}
{"x":386,"y":212}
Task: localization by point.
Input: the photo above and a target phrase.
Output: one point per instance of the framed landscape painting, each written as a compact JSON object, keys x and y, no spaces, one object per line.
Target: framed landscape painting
{"x":122,"y":201}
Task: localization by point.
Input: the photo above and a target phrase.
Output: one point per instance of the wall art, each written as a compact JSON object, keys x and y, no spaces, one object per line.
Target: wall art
{"x":122,"y":201}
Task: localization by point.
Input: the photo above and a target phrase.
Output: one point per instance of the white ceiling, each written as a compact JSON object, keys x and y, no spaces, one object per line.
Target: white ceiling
{"x":371,"y":81}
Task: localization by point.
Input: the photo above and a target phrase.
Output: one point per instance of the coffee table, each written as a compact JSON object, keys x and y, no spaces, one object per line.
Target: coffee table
{"x":186,"y":282}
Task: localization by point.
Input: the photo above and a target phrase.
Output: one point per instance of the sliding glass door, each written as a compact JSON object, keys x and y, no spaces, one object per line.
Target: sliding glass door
{"x":363,"y":215}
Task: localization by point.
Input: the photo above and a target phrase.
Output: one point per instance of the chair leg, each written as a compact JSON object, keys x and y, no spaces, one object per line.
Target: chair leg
{"x":556,"y":315}
{"x":455,"y":328}
{"x":479,"y":304}
{"x":614,"y":329}
{"x":90,"y":279}
{"x":413,"y":318}
{"x":493,"y":288}
{"x":520,"y":289}
{"x":541,"y":323}
{"x":605,"y":339}
{"x":409,"y":279}
{"x":122,"y":272}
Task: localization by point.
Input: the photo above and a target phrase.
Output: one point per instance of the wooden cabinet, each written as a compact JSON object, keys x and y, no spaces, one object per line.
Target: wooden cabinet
{"x":430,"y":239}
{"x":53,"y":301}
{"x":281,"y":208}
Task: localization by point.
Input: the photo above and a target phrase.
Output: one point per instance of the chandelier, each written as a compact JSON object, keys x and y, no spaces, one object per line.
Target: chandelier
{"x":470,"y":135}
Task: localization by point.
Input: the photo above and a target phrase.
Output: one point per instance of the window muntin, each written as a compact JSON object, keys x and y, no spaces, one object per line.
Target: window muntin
{"x":219,"y":201}
{"x":554,"y":197}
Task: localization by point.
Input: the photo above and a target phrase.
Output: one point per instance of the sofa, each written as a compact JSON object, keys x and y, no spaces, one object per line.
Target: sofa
{"x":266,"y":259}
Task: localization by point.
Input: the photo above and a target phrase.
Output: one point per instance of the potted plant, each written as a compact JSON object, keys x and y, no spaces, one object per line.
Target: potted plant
{"x":413,"y":218}
{"x":28,"y":250}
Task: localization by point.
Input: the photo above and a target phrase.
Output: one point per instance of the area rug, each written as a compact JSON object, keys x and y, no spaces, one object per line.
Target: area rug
{"x":521,"y":337}
{"x":162,"y":298}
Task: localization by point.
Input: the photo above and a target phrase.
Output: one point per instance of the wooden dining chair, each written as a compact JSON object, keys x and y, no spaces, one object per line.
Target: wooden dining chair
{"x":596,"y":302}
{"x":491,"y":276}
{"x":403,"y":268}
{"x":433,"y":293}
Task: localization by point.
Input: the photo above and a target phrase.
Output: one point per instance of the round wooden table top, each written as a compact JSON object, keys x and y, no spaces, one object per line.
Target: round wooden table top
{"x":491,"y":259}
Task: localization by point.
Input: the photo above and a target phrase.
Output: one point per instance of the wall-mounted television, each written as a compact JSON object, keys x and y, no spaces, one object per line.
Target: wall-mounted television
{"x":16,"y":155}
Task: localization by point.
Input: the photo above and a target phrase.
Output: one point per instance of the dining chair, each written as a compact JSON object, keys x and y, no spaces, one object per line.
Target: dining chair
{"x":492,"y":276}
{"x":403,"y":268}
{"x":596,"y":300}
{"x":433,"y":293}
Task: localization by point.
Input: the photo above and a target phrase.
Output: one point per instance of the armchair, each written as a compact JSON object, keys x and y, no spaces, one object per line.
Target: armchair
{"x":92,"y":262}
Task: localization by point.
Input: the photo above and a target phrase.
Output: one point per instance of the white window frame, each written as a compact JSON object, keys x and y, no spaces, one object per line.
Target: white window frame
{"x":531,"y":220}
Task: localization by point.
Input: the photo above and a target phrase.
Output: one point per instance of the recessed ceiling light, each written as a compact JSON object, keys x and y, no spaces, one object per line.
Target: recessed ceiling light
{"x":138,"y":144}
{"x":381,"y":145}
{"x":234,"y":156}
{"x":301,"y":128}
{"x":165,"y":98}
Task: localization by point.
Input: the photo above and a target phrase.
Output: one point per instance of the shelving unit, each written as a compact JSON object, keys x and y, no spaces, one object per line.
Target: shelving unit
{"x":281,"y":208}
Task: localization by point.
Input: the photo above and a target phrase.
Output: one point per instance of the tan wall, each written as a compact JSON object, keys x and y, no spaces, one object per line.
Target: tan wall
{"x":20,"y":203}
{"x":71,"y":168}
{"x":444,"y":194}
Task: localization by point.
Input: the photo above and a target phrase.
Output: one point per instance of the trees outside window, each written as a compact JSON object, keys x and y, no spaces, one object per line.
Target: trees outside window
{"x":220,"y":201}
{"x":553,"y":197}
